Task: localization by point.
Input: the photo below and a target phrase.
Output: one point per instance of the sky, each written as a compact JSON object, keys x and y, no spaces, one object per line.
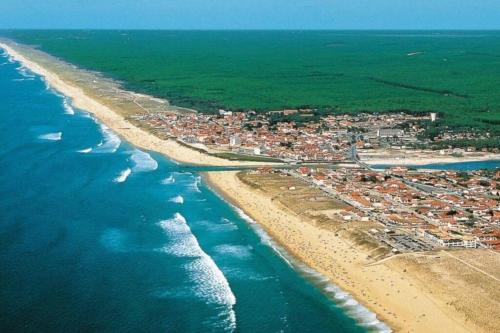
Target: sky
{"x":250,"y":14}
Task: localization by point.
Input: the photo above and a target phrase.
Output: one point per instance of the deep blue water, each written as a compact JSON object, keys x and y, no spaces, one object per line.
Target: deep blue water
{"x":97,"y":236}
{"x":459,"y":166}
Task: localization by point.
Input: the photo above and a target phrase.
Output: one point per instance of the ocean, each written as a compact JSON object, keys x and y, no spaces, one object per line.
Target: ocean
{"x":99,"y":236}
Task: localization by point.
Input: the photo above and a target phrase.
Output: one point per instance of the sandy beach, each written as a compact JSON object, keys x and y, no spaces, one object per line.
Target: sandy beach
{"x":401,"y":299}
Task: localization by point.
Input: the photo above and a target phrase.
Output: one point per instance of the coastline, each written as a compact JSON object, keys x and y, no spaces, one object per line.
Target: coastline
{"x":124,"y":128}
{"x":400,"y":300}
{"x":359,"y":312}
{"x":290,"y":231}
{"x":114,"y":120}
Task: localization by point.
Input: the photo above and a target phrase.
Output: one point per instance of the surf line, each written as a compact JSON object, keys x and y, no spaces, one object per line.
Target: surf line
{"x":211,"y":284}
{"x":344,"y":300}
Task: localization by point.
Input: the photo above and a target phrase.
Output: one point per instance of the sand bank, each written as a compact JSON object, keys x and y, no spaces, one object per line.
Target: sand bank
{"x":400,"y":299}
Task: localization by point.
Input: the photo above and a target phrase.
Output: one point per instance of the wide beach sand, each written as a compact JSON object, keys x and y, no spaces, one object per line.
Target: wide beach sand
{"x":391,"y":288}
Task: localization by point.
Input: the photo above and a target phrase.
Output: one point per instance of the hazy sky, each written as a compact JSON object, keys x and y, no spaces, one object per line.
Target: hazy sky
{"x":251,"y":14}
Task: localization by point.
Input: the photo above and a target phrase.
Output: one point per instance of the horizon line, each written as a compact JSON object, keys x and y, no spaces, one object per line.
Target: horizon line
{"x":253,"y":29}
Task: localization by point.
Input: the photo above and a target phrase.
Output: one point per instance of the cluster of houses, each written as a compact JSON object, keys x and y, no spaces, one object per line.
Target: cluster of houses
{"x":471,"y":134}
{"x":395,"y":130}
{"x":442,"y":208}
{"x":249,"y":133}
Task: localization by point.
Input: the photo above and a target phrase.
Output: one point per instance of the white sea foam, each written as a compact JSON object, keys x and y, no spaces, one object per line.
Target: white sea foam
{"x":25,"y":72}
{"x":85,"y":151}
{"x":364,"y":316}
{"x":123,"y":176}
{"x":223,"y":226}
{"x":24,"y":79}
{"x":143,"y":162}
{"x":184,"y":244}
{"x":195,"y":185}
{"x":6,"y":56}
{"x":111,"y":141}
{"x":51,"y":136}
{"x":47,"y":86}
{"x":412,"y":54}
{"x":357,"y":311}
{"x":68,"y":109}
{"x":177,"y":199}
{"x":210,"y":283}
{"x":236,"y":251}
{"x":86,"y":115}
{"x":169,"y":180}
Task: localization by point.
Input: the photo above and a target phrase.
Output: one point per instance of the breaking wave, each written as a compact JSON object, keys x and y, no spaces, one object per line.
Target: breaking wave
{"x":24,"y":79}
{"x":361,"y":314}
{"x":68,"y":109}
{"x":263,"y":235}
{"x":123,"y":176}
{"x":51,"y":136}
{"x":169,"y":180}
{"x":177,"y":199}
{"x":111,"y":141}
{"x":195,"y":185}
{"x":25,"y":72}
{"x":143,"y":161}
{"x":10,"y":60}
{"x":85,"y":151}
{"x":210,"y":283}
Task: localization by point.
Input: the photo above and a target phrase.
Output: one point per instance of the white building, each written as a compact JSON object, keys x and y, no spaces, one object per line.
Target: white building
{"x":234,"y":141}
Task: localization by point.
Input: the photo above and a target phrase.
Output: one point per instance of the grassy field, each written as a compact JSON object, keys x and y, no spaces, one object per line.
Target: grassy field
{"x":454,"y":73}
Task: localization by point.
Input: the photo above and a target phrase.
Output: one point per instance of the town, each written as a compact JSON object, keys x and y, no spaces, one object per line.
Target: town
{"x":277,"y":135}
{"x":298,"y":135}
{"x":418,"y":210}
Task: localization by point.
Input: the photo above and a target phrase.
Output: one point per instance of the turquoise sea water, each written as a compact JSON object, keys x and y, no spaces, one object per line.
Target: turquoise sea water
{"x":97,"y":236}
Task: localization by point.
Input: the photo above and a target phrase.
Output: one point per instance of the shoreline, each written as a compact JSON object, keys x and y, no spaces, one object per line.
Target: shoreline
{"x":137,"y":136}
{"x":362,"y":315}
{"x":115,"y":121}
{"x":344,"y":264}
